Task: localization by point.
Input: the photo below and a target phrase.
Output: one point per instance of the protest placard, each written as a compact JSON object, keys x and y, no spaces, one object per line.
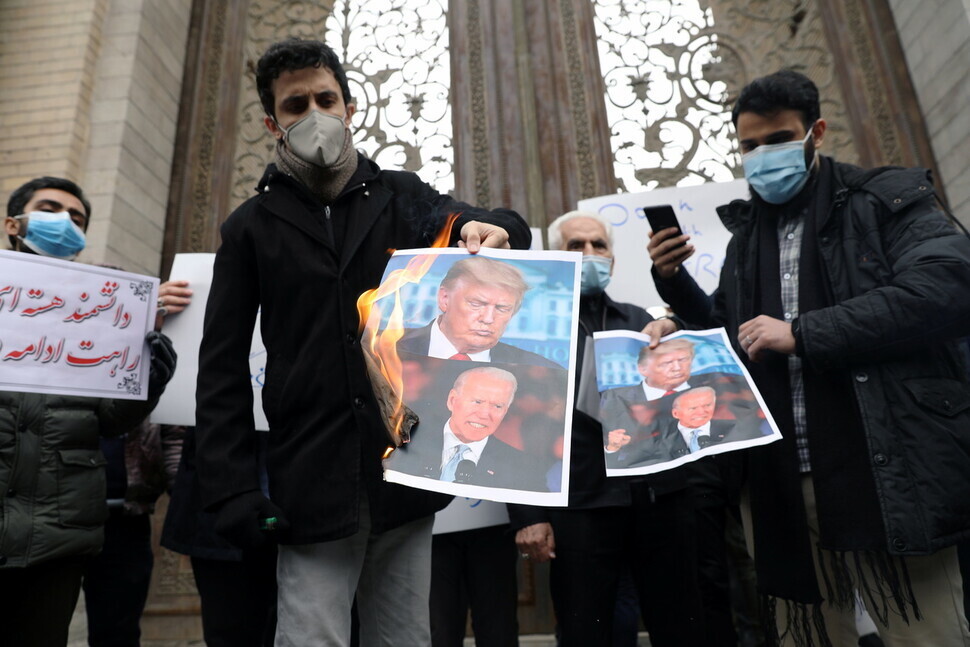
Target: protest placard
{"x":177,"y":404}
{"x":696,"y":209}
{"x":68,"y":328}
{"x":689,"y":397}
{"x":464,"y":513}
{"x":482,"y":347}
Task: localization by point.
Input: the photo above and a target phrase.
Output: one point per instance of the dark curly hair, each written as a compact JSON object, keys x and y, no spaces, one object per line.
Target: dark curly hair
{"x":296,"y":54}
{"x":783,"y":90}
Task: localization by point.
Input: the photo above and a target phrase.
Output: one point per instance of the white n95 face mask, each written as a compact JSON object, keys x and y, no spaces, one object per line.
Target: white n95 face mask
{"x":317,"y":138}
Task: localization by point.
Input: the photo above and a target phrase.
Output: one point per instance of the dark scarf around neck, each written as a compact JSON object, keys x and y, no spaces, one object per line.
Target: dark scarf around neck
{"x":850,"y":521}
{"x":324,"y":183}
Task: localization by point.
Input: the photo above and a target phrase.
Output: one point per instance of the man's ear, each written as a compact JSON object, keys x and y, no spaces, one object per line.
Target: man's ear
{"x":818,"y":132}
{"x":351,"y":111}
{"x":11,"y":226}
{"x":451,"y":398}
{"x":612,"y":264}
{"x":272,"y":127}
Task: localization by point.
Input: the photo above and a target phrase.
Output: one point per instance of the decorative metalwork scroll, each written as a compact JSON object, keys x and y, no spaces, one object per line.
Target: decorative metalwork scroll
{"x":673,"y":68}
{"x":395,"y":53}
{"x":758,"y":37}
{"x":665,"y":94}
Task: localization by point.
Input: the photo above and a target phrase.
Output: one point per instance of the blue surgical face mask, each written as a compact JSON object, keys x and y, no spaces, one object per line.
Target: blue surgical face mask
{"x":596,"y":275}
{"x":52,"y":234}
{"x":777,"y":171}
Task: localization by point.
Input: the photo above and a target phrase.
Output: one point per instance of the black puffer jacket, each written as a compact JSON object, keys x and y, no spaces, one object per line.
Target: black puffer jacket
{"x":326,"y":436}
{"x":899,"y":273}
{"x":52,"y":473}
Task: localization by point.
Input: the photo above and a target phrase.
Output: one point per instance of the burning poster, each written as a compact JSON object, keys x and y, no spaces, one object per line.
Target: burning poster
{"x":480,"y":350}
{"x":690,"y":397}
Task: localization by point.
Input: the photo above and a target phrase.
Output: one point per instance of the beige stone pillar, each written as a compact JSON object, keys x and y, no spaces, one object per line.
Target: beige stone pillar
{"x":89,"y":90}
{"x":527,"y":94}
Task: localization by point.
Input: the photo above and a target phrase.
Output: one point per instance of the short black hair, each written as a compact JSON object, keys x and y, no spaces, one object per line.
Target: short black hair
{"x":23,"y":194}
{"x":783,"y":90}
{"x":295,"y":54}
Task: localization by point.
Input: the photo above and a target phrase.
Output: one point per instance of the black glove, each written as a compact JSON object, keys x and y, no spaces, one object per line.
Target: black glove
{"x":249,"y":519}
{"x":163,"y":360}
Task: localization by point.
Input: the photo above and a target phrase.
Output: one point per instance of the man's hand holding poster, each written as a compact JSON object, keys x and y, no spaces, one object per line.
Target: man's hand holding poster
{"x":481,"y":346}
{"x":689,"y":397}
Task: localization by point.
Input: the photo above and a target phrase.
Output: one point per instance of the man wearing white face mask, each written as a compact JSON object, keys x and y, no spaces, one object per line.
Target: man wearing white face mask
{"x":300,"y":252}
{"x":844,"y":289}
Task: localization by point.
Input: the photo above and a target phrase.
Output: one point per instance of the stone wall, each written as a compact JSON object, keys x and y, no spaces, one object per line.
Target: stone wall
{"x":48,"y":52}
{"x":89,"y":90}
{"x":936,"y":41}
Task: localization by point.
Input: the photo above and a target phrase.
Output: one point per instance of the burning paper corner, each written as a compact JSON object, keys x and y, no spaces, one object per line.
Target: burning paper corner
{"x":380,"y":348}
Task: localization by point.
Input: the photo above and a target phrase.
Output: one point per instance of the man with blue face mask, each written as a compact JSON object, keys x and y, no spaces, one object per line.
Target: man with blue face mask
{"x":48,"y":216}
{"x":52,"y":469}
{"x":844,"y":290}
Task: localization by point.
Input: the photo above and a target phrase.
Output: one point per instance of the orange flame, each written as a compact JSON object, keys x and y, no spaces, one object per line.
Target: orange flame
{"x":445,"y":234}
{"x":382,"y":346}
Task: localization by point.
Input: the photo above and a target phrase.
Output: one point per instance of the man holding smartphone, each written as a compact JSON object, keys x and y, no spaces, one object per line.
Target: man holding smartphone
{"x":844,"y":289}
{"x":641,"y":525}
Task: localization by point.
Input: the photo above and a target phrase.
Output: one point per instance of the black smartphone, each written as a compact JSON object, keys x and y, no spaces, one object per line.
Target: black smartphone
{"x":662,"y":217}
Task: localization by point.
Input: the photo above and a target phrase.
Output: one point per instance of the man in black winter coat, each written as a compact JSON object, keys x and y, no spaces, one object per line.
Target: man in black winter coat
{"x":644,"y":526}
{"x":300,"y":252}
{"x":52,"y":470}
{"x":844,"y":290}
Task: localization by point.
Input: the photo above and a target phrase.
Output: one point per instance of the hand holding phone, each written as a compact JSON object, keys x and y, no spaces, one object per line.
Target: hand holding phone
{"x":670,"y":251}
{"x":663,"y":217}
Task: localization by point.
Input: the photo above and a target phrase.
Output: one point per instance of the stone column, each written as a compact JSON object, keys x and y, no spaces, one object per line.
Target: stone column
{"x":530,"y":123}
{"x":90,"y":92}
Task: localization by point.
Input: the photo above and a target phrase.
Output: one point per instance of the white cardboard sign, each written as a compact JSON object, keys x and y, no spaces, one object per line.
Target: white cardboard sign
{"x":73,"y":329}
{"x":177,"y":405}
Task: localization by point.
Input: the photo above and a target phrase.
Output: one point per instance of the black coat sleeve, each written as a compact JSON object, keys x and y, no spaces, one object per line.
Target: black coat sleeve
{"x":433,"y":209}
{"x":922,"y":302}
{"x":226,"y":455}
{"x":687,"y":299}
{"x":521,"y":516}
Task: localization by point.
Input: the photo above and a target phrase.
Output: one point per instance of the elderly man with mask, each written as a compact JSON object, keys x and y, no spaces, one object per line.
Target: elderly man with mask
{"x":300,"y":252}
{"x":51,"y":466}
{"x":644,"y":523}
